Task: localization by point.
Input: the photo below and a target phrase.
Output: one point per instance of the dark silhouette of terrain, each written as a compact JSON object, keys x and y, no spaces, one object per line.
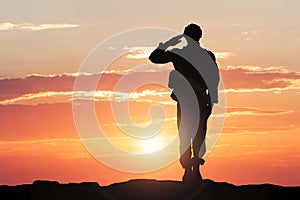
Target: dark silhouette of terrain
{"x":147,"y":189}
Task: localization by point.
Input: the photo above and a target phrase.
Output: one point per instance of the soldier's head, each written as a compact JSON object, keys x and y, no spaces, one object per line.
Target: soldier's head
{"x":194,"y":31}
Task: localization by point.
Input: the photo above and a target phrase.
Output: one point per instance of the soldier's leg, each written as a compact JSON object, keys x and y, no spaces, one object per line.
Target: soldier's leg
{"x":185,"y":149}
{"x":185,"y":144}
{"x":199,"y":147}
{"x":199,"y":140}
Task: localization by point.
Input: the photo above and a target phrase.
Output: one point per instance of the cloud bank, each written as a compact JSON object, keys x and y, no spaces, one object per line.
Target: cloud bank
{"x":7,"y":26}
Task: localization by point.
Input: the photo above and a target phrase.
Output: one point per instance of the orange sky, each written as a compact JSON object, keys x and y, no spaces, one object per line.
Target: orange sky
{"x":259,"y":141}
{"x":42,"y":51}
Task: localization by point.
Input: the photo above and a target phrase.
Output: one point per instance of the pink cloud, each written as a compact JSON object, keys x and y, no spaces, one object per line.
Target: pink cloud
{"x":235,"y":79}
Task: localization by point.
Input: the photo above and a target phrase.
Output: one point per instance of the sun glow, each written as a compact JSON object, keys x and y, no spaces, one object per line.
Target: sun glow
{"x":151,"y":145}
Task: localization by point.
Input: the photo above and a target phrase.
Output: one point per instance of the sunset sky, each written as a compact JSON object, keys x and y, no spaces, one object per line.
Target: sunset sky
{"x":43,"y":44}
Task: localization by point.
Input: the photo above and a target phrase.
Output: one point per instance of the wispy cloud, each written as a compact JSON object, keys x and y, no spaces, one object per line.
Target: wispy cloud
{"x":260,"y":130}
{"x":161,"y":97}
{"x":144,"y":124}
{"x":250,"y":111}
{"x":276,"y":90}
{"x":138,"y":52}
{"x":223,"y":55}
{"x":121,"y":96}
{"x":249,"y":35}
{"x":237,"y":79}
{"x":258,"y":79}
{"x":258,"y":69}
{"x":144,"y":52}
{"x":38,"y":98}
{"x":7,"y":26}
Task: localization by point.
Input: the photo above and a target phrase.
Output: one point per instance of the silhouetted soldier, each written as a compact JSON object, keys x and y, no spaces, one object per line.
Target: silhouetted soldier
{"x":198,"y":66}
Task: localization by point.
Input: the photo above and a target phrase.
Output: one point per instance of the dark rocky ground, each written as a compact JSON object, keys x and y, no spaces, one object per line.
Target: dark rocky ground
{"x":147,"y":189}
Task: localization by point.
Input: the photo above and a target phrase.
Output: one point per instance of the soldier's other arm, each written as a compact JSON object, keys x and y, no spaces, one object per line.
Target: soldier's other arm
{"x":214,"y":94}
{"x":212,"y":55}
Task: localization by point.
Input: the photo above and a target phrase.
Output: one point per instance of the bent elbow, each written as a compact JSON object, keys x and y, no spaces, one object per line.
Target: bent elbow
{"x":152,"y":58}
{"x":158,"y":56}
{"x":155,"y":57}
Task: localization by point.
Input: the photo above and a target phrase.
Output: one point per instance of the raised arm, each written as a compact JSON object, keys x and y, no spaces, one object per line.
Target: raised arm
{"x":161,"y":55}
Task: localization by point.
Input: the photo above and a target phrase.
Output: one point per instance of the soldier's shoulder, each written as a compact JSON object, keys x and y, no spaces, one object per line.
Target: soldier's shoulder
{"x":212,"y":55}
